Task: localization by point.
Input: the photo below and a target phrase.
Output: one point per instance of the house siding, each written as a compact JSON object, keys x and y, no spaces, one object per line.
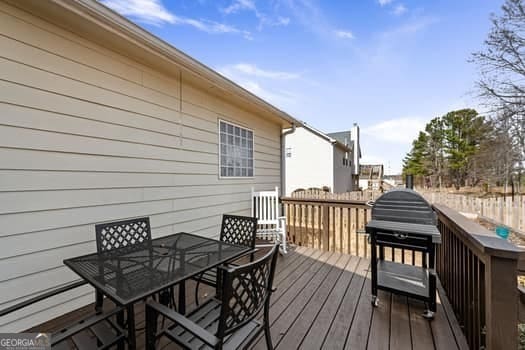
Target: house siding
{"x":311,"y":161}
{"x":88,"y":135}
{"x":342,"y":173}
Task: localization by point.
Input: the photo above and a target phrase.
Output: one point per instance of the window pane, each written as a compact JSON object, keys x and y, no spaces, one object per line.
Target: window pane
{"x":236,"y":151}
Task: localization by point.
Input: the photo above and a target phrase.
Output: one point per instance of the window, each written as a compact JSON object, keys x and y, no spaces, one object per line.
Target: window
{"x":236,"y":150}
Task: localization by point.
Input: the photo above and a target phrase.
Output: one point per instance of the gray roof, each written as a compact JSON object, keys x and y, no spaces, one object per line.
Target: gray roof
{"x":342,"y":136}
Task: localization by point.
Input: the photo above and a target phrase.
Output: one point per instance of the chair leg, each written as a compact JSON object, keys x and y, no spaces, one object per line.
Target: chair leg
{"x":197,"y":292}
{"x":99,"y":301}
{"x":267,"y":334}
{"x":283,"y":239}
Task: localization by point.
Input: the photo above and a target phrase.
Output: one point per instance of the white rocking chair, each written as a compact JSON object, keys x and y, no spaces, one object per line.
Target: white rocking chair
{"x":270,"y":225}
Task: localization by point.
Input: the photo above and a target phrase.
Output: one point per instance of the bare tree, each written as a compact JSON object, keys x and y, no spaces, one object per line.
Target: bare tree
{"x":502,"y":73}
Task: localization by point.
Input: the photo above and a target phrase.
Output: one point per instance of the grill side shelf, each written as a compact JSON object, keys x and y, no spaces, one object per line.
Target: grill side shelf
{"x":409,"y":279}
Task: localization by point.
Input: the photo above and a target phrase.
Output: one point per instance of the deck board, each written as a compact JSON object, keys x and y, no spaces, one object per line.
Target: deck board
{"x":379,"y":336}
{"x":323,"y":301}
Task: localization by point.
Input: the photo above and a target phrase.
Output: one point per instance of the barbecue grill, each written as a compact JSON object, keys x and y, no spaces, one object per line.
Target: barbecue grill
{"x":403,"y":219}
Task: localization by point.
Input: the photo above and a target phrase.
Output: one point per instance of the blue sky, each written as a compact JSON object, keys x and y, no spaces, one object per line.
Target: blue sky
{"x":388,"y":65}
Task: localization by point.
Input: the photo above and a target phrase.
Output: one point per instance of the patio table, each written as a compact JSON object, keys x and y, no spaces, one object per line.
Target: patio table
{"x":129,"y":274}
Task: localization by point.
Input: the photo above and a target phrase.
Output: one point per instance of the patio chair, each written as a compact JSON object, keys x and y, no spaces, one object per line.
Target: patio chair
{"x":102,"y":330}
{"x":119,"y":234}
{"x":227,"y":322}
{"x":234,"y":229}
{"x":271,"y":226}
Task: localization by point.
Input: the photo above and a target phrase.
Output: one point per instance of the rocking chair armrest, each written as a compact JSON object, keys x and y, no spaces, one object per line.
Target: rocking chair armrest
{"x":184,"y":322}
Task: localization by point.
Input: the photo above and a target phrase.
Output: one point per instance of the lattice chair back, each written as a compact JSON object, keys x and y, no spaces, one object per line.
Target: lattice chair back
{"x":118,"y":234}
{"x":239,"y":230}
{"x":246,"y":290}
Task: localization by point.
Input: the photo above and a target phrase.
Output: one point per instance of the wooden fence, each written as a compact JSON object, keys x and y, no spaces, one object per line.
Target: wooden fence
{"x":477,"y":270}
{"x":498,"y":210}
{"x":351,"y":196}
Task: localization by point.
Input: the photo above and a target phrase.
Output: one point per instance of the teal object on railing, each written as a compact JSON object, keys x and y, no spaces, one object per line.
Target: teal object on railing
{"x":502,"y":231}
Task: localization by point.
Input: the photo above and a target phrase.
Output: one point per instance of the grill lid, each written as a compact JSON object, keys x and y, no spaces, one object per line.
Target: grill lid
{"x":403,"y":205}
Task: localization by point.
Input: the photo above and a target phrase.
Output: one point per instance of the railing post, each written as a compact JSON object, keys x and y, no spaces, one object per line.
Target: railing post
{"x":479,"y":273}
{"x":501,"y":305}
{"x":326,"y":227}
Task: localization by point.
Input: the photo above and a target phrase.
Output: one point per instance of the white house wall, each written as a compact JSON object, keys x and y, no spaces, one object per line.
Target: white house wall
{"x":311,"y":162}
{"x":87,"y":135}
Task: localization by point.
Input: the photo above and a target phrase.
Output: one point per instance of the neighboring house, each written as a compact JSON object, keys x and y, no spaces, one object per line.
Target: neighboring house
{"x":351,"y":138}
{"x":100,"y":120}
{"x":315,"y":159}
{"x":371,"y":177}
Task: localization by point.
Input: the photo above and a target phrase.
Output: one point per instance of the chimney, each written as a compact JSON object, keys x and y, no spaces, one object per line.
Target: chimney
{"x":356,"y":148}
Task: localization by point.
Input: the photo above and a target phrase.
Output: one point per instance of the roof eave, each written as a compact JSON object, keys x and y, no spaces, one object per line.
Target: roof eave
{"x":124,"y":29}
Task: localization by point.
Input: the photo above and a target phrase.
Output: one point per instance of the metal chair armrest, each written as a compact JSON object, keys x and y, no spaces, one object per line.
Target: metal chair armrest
{"x":184,"y":322}
{"x":87,"y":323}
{"x":251,"y":251}
{"x":41,"y":297}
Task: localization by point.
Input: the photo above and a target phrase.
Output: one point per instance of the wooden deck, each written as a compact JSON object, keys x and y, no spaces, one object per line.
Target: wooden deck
{"x":323,"y":301}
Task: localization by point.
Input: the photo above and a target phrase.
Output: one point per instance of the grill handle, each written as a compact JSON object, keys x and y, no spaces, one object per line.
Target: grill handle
{"x":400,"y":235}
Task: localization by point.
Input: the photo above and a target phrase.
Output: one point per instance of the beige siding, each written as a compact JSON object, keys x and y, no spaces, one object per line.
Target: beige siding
{"x":86,"y":136}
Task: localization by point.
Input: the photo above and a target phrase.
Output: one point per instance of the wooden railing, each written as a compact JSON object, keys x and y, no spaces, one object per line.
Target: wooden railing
{"x":328,"y":224}
{"x":336,"y":225}
{"x":477,"y":270}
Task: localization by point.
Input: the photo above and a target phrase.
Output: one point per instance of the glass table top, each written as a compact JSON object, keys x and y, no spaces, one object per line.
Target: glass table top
{"x":132,"y":273}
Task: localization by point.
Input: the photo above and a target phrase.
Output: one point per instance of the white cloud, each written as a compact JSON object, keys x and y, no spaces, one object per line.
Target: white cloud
{"x":399,"y":10}
{"x":239,"y":5}
{"x":344,"y":34}
{"x":252,"y":79}
{"x":153,"y":12}
{"x":150,"y":11}
{"x":399,"y":131}
{"x":411,"y":27}
{"x":384,"y":2}
{"x":279,"y":98}
{"x":252,"y":70}
{"x":249,"y":5}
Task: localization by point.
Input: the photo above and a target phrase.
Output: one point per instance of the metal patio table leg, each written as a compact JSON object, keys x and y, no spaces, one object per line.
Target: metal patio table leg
{"x":182,"y":297}
{"x":132,"y":340}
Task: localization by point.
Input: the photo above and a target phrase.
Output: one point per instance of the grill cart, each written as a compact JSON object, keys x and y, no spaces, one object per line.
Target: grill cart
{"x":401,"y":218}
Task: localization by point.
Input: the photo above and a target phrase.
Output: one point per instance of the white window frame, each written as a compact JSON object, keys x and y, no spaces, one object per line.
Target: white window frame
{"x":220,"y":151}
